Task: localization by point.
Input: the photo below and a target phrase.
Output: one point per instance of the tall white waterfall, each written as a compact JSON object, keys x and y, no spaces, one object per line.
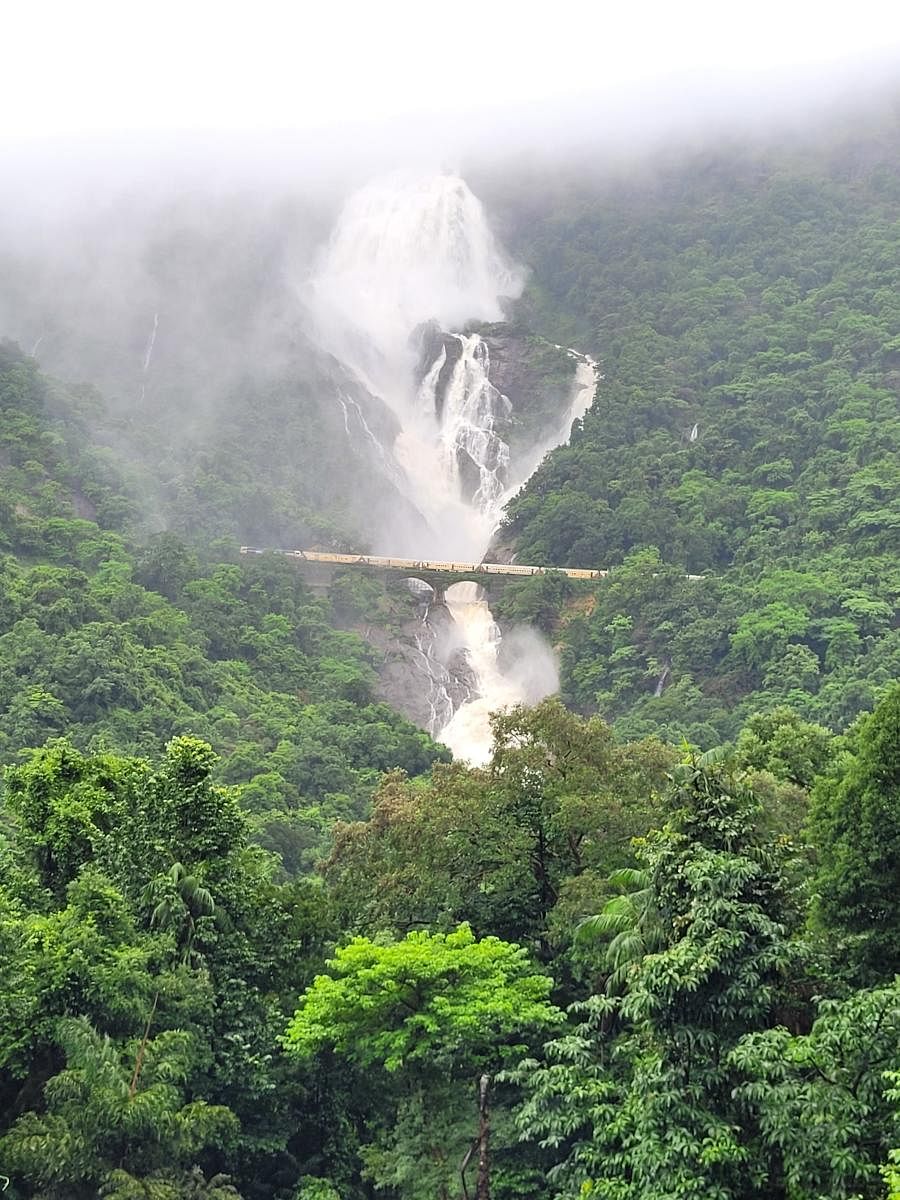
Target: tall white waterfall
{"x":407,"y":251}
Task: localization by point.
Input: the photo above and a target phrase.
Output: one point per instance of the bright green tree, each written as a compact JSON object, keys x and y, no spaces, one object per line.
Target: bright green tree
{"x":433,"y":1012}
{"x":443,"y":999}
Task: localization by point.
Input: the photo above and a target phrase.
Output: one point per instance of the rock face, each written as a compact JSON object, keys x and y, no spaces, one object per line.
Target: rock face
{"x":423,"y":673}
{"x":532,"y":374}
{"x":536,"y":375}
{"x":429,"y":341}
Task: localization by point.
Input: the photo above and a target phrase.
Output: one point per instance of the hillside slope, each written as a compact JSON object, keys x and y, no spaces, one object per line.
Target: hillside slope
{"x":115,"y":645}
{"x":745,"y":307}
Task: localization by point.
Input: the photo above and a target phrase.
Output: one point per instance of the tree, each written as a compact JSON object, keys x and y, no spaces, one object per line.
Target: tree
{"x":179,"y":901}
{"x":780,"y":741}
{"x":70,"y":808}
{"x":448,"y":1000}
{"x":819,"y":1099}
{"x":97,"y":1131}
{"x":631,"y":924}
{"x":855,"y":825}
{"x":434,"y":1012}
{"x":891,"y":1170}
{"x":501,"y":847}
{"x":653,"y":1113}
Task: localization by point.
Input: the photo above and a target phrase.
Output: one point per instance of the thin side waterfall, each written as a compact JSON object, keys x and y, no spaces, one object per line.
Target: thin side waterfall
{"x":151,"y":342}
{"x":148,"y":355}
{"x":427,"y":394}
{"x":382,"y":455}
{"x":587,"y":376}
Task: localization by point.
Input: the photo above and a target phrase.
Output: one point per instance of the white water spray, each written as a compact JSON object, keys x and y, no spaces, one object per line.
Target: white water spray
{"x":406,"y":251}
{"x":468,"y":435}
{"x":468,"y":732}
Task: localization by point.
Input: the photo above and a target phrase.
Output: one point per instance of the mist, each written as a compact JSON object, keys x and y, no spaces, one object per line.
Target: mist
{"x":217,"y":234}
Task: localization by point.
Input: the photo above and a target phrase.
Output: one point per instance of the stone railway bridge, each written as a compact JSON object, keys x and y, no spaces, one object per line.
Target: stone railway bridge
{"x":319,"y":568}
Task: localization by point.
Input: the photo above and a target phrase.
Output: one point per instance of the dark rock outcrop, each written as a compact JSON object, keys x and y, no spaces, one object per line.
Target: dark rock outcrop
{"x":423,"y":674}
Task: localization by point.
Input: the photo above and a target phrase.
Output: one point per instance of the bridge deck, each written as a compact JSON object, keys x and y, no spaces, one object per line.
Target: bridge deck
{"x":426,"y":564}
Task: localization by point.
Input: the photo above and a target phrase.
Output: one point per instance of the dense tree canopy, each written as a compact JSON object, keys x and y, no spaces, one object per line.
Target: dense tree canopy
{"x":743,"y":304}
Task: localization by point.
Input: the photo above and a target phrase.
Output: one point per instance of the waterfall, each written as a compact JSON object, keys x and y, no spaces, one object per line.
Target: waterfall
{"x":439,"y":681}
{"x":408,"y":252}
{"x":584,"y":386}
{"x":382,"y":457}
{"x":427,"y":394}
{"x":151,"y":342}
{"x":468,"y":732}
{"x":148,"y":356}
{"x":405,"y":251}
{"x":468,"y":437}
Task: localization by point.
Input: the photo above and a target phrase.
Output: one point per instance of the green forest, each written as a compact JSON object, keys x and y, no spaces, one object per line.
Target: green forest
{"x":745,"y":308}
{"x":265,"y":940}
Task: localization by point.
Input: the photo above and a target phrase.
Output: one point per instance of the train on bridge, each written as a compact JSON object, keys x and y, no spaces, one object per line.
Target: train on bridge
{"x":426,"y":564}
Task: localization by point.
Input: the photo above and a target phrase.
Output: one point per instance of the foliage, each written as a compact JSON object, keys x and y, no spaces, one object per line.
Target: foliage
{"x":440,"y":997}
{"x":97,"y":1133}
{"x":115,"y":643}
{"x":517,"y":849}
{"x":819,"y":1098}
{"x":856,"y":825}
{"x":189,"y":1012}
{"x":133,"y":905}
{"x":743,"y":305}
{"x":434,"y":1011}
{"x":891,"y":1170}
{"x":653,"y":1113}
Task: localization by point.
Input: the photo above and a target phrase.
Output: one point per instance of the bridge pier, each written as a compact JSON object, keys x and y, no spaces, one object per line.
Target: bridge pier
{"x":318,"y":577}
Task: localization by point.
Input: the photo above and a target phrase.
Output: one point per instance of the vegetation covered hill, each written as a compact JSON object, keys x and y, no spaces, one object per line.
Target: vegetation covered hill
{"x":745,"y":308}
{"x":123,"y":646}
{"x":181,"y":1022}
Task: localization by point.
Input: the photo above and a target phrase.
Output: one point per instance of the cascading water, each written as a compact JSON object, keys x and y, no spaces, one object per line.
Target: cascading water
{"x":468,"y":732}
{"x":148,"y":355}
{"x":468,"y":435}
{"x":409,"y":252}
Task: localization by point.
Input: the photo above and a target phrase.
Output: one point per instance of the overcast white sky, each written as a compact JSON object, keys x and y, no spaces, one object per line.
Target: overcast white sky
{"x":75,"y":67}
